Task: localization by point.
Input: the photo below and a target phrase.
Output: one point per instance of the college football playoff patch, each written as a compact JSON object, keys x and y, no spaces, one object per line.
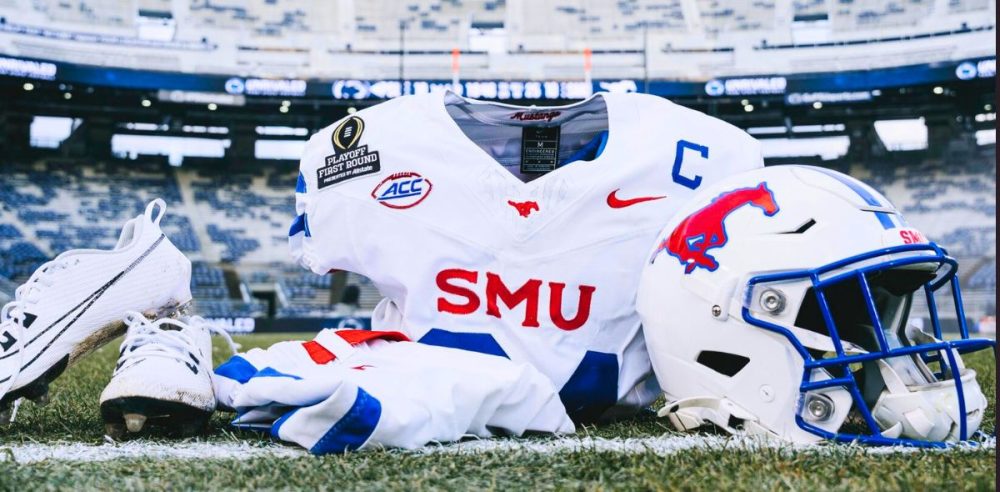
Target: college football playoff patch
{"x":349,"y":159}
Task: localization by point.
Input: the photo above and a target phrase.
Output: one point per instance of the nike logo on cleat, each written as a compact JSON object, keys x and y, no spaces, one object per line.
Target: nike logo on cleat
{"x":85,"y":305}
{"x":615,"y":202}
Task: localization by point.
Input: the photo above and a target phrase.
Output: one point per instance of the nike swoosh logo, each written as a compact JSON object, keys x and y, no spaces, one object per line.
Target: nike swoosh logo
{"x":615,"y":202}
{"x":86,"y":304}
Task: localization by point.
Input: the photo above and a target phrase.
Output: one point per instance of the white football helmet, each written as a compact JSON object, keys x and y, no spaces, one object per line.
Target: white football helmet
{"x":777,"y":302}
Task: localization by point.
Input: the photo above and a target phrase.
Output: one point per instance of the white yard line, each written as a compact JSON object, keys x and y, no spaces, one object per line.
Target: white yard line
{"x":69,"y":451}
{"x":662,"y":445}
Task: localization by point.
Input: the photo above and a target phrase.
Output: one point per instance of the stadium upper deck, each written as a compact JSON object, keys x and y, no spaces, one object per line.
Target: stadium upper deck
{"x":687,"y":39}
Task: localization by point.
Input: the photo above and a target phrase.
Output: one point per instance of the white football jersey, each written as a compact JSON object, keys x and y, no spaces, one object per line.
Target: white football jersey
{"x":513,"y":231}
{"x":354,"y":389}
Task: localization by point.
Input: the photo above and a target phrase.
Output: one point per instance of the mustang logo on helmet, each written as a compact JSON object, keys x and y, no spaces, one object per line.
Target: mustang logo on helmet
{"x":706,"y":228}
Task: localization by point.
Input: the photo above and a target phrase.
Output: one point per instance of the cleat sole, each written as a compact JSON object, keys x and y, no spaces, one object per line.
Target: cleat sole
{"x":115,"y":430}
{"x":42,"y":400}
{"x":38,"y":389}
{"x":140,"y":415}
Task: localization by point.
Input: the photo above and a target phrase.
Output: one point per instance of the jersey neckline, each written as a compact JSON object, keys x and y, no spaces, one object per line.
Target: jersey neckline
{"x":440,"y":111}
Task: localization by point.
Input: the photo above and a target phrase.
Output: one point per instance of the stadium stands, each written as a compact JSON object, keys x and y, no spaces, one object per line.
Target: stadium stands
{"x":62,"y":205}
{"x":264,"y":17}
{"x":450,"y":19}
{"x":92,"y":12}
{"x":855,"y":14}
{"x":223,"y":219}
{"x":245,"y":213}
{"x":954,"y":205}
{"x":985,"y":278}
{"x":719,"y":17}
{"x":236,"y":220}
{"x":362,"y":39}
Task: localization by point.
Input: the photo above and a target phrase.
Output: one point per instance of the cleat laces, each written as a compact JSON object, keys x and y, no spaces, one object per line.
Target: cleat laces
{"x":166,"y":337}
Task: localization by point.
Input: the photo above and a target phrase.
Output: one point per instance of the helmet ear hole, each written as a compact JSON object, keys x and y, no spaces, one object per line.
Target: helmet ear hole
{"x":723,"y":362}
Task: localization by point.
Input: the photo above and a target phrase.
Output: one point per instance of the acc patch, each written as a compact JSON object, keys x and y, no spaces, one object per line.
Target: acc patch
{"x":349,"y":159}
{"x":402,"y":190}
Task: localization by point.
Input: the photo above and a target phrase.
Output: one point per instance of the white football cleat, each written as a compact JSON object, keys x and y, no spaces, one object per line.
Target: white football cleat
{"x":163,"y":377}
{"x":73,"y":304}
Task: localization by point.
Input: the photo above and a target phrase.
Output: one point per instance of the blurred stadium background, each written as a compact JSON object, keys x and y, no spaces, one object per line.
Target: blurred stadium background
{"x":105,"y":104}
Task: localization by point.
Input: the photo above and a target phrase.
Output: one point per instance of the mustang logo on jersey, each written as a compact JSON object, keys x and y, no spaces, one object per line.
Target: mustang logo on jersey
{"x":349,"y":160}
{"x":706,"y":228}
{"x":402,"y":190}
{"x":524,"y":209}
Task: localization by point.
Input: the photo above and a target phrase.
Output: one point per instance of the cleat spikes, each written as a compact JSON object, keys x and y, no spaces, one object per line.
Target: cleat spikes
{"x":37,"y":390}
{"x":162,"y":383}
{"x":115,"y":430}
{"x":134,"y":422}
{"x":42,"y":400}
{"x":192,"y":428}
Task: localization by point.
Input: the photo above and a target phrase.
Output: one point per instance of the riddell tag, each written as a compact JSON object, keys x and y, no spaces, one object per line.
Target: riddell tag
{"x":539,"y":149}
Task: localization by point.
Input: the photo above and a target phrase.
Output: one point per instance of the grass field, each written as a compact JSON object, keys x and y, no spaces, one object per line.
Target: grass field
{"x":72,"y":419}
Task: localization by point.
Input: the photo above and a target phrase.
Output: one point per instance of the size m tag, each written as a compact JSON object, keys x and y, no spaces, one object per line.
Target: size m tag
{"x":539,"y":149}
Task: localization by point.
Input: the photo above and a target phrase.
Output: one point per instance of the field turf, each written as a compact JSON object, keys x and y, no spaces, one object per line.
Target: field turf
{"x":72,"y":418}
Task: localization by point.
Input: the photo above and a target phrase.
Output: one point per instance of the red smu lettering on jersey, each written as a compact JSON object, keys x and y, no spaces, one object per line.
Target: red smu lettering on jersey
{"x":458,"y":282}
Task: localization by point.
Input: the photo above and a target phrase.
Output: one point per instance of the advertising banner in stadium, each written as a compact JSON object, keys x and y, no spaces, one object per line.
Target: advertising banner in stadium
{"x":288,"y":325}
{"x":848,"y":86}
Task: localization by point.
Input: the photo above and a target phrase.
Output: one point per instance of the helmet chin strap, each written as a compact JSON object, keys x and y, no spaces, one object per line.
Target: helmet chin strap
{"x":691,"y":413}
{"x":928,"y":412}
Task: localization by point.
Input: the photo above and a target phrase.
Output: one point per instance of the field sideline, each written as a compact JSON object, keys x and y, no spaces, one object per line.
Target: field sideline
{"x":62,"y":446}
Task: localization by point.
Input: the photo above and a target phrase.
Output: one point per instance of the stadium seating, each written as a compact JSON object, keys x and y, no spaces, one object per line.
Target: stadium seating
{"x":718,"y":17}
{"x":264,"y":17}
{"x":985,"y":278}
{"x":99,"y":12}
{"x":498,"y":39}
{"x":237,"y":220}
{"x":954,"y":205}
{"x":304,"y":25}
{"x":246,"y":214}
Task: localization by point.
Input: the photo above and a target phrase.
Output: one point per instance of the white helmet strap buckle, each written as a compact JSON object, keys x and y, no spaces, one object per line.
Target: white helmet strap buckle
{"x":691,"y":413}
